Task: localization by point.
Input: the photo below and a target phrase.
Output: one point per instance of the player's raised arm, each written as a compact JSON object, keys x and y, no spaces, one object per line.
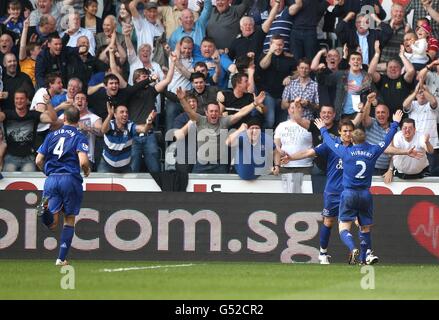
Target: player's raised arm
{"x":397,"y":116}
{"x":331,"y":143}
{"x":106,"y":124}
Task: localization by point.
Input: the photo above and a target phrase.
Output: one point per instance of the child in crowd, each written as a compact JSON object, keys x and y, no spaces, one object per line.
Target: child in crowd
{"x":423,"y":31}
{"x":416,"y":50}
{"x":13,"y":21}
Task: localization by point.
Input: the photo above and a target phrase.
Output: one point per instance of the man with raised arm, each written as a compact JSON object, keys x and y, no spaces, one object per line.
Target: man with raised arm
{"x":356,"y":200}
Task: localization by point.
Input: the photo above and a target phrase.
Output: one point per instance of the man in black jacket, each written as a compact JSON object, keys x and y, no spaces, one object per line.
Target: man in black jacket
{"x":54,"y":58}
{"x":13,"y":79}
{"x":362,"y":36}
{"x":84,"y":65}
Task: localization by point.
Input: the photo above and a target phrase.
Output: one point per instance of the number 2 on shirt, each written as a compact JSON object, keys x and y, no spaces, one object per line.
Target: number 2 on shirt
{"x":360,"y":175}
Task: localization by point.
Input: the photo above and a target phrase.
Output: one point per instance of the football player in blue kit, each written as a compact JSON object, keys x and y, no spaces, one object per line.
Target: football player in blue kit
{"x":356,"y":201}
{"x":333,"y":187}
{"x":61,"y":157}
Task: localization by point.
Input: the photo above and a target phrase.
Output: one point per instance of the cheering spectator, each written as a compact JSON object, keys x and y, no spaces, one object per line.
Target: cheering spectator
{"x":214,"y":61}
{"x":362,"y":37}
{"x":28,"y":54}
{"x":54,"y":58}
{"x":304,"y":88}
{"x":211,"y":155}
{"x":191,"y":28}
{"x":14,"y":20}
{"x":171,"y":15}
{"x":223,"y":25}
{"x":273,"y":68}
{"x":254,"y":150}
{"x":20,"y":127}
{"x":46,"y":7}
{"x":393,"y":86}
{"x":13,"y":79}
{"x":147,"y":26}
{"x":405,"y":167}
{"x":75,"y":31}
{"x":421,"y":106}
{"x":119,"y":133}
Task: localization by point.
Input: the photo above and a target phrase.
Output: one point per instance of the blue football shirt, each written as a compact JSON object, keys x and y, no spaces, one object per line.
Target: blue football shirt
{"x":60,"y":149}
{"x":334,"y":167}
{"x":359,"y":160}
{"x":250,"y":157}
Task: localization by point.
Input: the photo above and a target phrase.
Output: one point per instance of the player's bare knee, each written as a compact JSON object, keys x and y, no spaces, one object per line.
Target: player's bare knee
{"x":344,"y":225}
{"x":329,"y":221}
{"x":69,"y":220}
{"x":365,"y":229}
{"x":54,"y":224}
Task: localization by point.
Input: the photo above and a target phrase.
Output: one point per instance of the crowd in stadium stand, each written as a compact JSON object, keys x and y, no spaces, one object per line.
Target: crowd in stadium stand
{"x":225,"y":86}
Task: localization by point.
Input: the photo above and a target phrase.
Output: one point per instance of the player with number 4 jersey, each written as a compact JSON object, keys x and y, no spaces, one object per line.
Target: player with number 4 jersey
{"x":61,"y":157}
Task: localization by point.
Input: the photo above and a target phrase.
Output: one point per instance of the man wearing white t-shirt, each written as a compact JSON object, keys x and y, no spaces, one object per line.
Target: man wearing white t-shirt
{"x":75,"y":31}
{"x":421,"y":106}
{"x":289,"y":138}
{"x":53,"y":87}
{"x":405,"y":167}
{"x":147,"y":25}
{"x":89,"y":124}
{"x":143,"y":59}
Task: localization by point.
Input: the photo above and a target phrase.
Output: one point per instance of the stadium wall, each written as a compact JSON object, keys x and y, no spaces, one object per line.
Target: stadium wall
{"x":215,"y":227}
{"x":226,"y":183}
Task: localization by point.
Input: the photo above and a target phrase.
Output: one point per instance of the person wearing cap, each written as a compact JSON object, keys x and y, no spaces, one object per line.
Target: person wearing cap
{"x":254,"y":150}
{"x":423,"y":8}
{"x":148,"y":25}
{"x":424,"y":31}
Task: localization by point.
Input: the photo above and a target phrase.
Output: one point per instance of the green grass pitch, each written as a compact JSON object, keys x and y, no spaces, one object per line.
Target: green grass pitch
{"x":41,"y":279}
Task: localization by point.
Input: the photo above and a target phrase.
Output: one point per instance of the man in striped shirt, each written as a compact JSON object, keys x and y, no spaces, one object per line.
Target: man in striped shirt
{"x":376,"y":130}
{"x":282,"y":24}
{"x":118,"y":138}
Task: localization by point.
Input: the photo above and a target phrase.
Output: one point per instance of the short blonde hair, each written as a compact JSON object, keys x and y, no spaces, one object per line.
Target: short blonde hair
{"x":358,"y":136}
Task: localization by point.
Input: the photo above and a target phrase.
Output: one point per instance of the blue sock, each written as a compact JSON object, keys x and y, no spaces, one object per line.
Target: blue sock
{"x":66,"y":240}
{"x":363,"y":246}
{"x":47,"y":218}
{"x":347,"y":239}
{"x":369,"y":241}
{"x":325,"y":233}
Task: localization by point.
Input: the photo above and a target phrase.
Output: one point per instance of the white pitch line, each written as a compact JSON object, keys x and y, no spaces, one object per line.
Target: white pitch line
{"x":149,"y":267}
